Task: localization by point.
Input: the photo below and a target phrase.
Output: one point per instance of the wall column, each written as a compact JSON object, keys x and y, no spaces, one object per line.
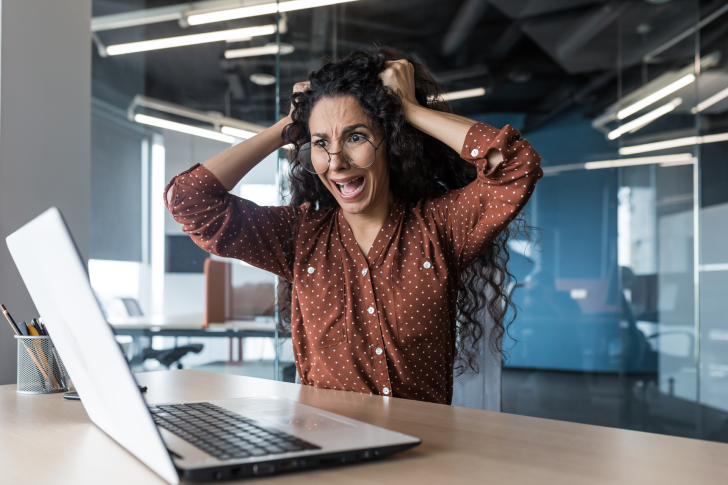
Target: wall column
{"x":45,"y":113}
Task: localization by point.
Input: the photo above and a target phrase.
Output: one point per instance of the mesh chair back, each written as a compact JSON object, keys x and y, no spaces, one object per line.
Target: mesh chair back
{"x":481,"y":390}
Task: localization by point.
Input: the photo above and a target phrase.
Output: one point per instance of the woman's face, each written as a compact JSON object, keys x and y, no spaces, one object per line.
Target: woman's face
{"x":338,"y":124}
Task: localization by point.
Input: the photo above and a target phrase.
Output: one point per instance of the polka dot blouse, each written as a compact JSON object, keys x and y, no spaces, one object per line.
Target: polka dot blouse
{"x":383,"y":323}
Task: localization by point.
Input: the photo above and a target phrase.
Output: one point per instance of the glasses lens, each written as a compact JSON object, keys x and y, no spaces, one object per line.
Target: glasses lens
{"x":313,"y":158}
{"x":359,"y":152}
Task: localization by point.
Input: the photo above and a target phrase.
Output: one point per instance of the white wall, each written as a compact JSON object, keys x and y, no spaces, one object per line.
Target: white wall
{"x":45,"y":110}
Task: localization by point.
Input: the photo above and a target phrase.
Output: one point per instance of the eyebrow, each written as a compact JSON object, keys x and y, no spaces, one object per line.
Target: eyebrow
{"x":346,"y":129}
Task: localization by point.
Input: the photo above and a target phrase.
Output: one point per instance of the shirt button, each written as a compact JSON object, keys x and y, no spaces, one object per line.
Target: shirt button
{"x":475,"y":152}
{"x":385,"y":391}
{"x":364,"y":271}
{"x":311,"y":269}
{"x":370,"y":310}
{"x":379,"y":351}
{"x":427,"y":265}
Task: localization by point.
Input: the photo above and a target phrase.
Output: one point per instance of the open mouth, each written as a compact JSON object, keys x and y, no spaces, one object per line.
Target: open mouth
{"x":351,"y":188}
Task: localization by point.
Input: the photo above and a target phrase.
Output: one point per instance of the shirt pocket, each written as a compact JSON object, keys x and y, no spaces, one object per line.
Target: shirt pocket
{"x":321,"y":298}
{"x":419,"y":286}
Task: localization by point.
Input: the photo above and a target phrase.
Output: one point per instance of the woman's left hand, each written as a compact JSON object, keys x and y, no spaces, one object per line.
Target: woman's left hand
{"x":400,"y":76}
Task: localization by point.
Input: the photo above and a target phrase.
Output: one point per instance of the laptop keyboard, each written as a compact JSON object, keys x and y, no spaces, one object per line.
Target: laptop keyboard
{"x":224,"y":434}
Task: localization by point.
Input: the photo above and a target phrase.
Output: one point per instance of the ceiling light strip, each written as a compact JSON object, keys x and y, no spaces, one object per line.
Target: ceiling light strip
{"x":644,"y":120}
{"x":183,"y":128}
{"x":714,"y":267}
{"x":629,"y":162}
{"x":466,"y":93}
{"x":710,"y":101}
{"x":237,"y":132}
{"x":214,"y":119}
{"x":185,"y":40}
{"x":656,"y":96}
{"x":258,"y":51}
{"x":664,"y":160}
{"x":256,"y":10}
{"x":678,"y":142}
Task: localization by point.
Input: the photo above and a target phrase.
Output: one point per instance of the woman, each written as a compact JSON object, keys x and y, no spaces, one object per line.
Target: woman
{"x":391,"y":241}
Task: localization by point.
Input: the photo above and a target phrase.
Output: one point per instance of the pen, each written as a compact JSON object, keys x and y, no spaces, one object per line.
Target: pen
{"x":10,"y":320}
{"x":32,"y":329}
{"x":17,"y":331}
{"x":53,"y":360}
{"x":38,"y":322}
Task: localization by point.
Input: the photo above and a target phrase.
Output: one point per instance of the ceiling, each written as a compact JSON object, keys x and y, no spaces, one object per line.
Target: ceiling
{"x":538,"y":57}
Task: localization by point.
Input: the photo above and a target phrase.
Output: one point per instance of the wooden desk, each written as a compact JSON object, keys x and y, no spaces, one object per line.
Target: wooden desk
{"x":459,"y":445}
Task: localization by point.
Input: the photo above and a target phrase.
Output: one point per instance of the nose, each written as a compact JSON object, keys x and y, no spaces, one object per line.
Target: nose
{"x":338,"y":161}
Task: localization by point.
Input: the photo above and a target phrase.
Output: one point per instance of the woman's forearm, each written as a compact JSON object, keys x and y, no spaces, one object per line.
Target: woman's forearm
{"x":234,"y":163}
{"x":449,"y":128}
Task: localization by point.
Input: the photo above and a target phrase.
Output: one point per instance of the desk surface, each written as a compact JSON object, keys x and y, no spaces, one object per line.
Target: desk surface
{"x":459,"y":445}
{"x":187,"y":322}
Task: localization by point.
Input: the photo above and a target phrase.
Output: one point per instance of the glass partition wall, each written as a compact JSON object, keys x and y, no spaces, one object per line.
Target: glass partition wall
{"x":170,"y":92}
{"x":620,"y":322}
{"x":619,"y":290}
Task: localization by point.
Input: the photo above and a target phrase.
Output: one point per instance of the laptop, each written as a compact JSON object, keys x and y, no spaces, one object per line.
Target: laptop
{"x":207,"y":440}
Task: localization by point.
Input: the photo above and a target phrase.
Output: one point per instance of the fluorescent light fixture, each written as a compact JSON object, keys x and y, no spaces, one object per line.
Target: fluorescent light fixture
{"x":258,"y":51}
{"x":656,"y":96}
{"x":467,"y":93}
{"x":629,"y":162}
{"x":262,"y":79}
{"x":710,"y":101}
{"x":182,"y":128}
{"x":643,"y":120}
{"x":241,"y":39}
{"x":183,"y":40}
{"x":678,"y":142}
{"x":678,"y":162}
{"x":235,"y":13}
{"x":237,"y":133}
{"x":663,"y":161}
{"x":253,"y":11}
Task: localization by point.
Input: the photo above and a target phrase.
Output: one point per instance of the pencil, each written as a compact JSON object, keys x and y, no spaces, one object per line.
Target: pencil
{"x":16,"y":329}
{"x":10,"y":320}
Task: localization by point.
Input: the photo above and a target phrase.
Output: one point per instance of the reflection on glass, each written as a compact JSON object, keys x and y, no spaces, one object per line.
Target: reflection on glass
{"x":621,"y":320}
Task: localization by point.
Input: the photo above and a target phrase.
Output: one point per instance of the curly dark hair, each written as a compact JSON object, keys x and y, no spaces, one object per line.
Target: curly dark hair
{"x":421,"y":167}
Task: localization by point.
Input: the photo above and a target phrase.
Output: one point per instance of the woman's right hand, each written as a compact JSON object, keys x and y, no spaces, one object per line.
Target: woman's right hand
{"x":298,"y":88}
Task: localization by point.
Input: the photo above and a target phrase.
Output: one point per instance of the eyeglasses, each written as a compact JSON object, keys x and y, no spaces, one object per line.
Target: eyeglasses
{"x":358,"y":151}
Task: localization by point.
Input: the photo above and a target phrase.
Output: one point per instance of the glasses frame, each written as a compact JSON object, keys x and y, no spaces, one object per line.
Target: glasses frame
{"x":347,"y":160}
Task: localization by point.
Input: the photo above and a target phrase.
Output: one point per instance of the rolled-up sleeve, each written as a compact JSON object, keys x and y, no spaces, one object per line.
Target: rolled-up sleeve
{"x":474,"y":215}
{"x":230,"y":226}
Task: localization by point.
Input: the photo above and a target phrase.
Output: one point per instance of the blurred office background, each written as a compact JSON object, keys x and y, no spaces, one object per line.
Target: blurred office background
{"x":622,"y":292}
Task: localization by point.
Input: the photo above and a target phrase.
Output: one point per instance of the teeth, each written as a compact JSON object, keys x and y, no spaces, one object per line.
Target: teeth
{"x":344,"y":191}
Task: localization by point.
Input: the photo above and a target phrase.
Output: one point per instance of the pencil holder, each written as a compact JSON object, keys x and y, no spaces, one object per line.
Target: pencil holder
{"x":40,"y":370}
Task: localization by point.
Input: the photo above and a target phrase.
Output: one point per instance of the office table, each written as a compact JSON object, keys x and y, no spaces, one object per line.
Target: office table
{"x":190,"y":326}
{"x":45,"y":439}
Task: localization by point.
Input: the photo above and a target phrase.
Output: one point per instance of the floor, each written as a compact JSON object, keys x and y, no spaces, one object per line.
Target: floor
{"x":628,"y":402}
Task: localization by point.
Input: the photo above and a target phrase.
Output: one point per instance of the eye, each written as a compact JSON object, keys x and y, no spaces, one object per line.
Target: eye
{"x":357,"y":138}
{"x":319,"y":143}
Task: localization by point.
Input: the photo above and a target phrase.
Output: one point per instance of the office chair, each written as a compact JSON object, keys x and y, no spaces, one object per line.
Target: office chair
{"x":481,"y":390}
{"x":166,"y":357}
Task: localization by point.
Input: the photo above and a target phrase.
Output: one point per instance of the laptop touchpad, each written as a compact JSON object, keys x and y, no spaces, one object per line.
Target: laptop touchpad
{"x":309,"y":422}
